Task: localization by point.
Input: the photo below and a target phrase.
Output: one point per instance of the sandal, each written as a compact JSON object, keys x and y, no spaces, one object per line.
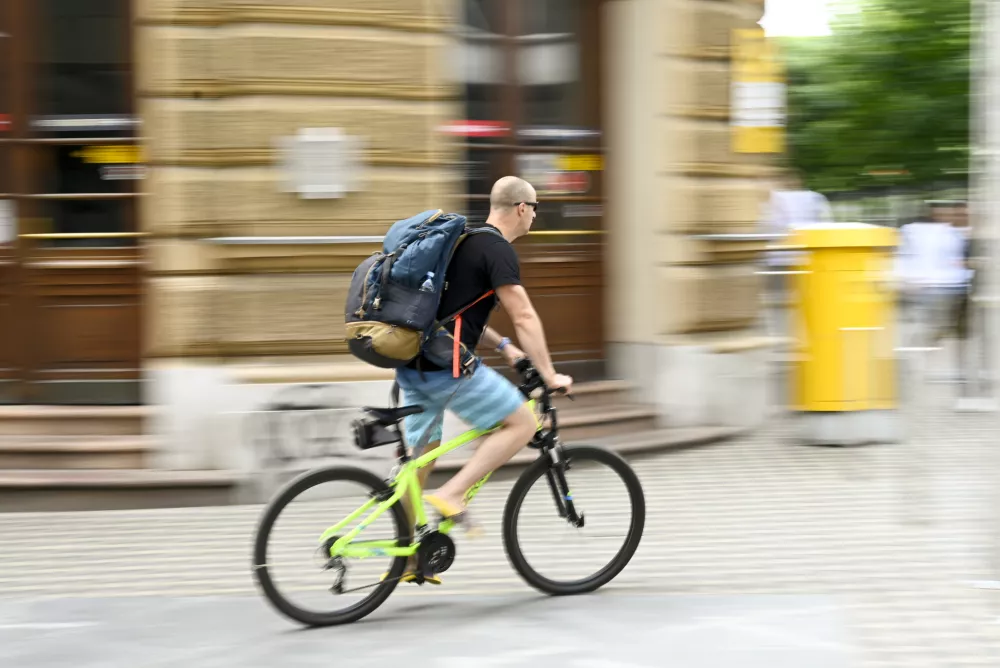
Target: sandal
{"x":456,"y":514}
{"x":447,"y":510}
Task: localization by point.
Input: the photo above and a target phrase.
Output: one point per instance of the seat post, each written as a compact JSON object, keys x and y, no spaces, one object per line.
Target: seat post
{"x":401,"y":450}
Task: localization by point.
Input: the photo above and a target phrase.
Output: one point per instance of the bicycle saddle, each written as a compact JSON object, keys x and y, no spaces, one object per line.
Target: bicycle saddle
{"x":388,"y":416}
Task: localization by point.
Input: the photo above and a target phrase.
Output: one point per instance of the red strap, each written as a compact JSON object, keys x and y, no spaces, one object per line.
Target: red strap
{"x":455,"y":365}
{"x":458,"y":343}
{"x":474,"y":303}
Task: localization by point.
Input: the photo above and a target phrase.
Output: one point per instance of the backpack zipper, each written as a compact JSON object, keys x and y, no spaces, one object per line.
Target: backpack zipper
{"x":440,"y":212}
{"x":364,"y":291}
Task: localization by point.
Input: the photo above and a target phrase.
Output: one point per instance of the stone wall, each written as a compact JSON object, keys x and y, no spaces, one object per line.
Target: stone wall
{"x":705,"y":187}
{"x":673,"y":176}
{"x":220,"y":82}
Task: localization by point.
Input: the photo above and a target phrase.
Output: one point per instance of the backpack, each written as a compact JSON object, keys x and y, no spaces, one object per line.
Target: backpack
{"x":392,"y":303}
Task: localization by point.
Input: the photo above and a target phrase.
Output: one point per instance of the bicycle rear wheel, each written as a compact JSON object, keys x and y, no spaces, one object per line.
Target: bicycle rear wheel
{"x":361,"y":593}
{"x":585,"y":479}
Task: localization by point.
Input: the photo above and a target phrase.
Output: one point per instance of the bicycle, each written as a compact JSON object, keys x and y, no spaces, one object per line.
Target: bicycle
{"x":432,"y":546}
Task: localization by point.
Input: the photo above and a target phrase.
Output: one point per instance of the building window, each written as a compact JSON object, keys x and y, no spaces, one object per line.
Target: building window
{"x":83,"y":58}
{"x":549,"y":63}
{"x":531,"y":71}
{"x":71,"y":118}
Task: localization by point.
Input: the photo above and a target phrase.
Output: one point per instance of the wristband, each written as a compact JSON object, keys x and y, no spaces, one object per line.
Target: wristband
{"x":504,"y":342}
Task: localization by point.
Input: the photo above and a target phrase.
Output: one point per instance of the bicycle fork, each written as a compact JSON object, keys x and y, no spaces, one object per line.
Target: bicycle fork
{"x":561,"y":493}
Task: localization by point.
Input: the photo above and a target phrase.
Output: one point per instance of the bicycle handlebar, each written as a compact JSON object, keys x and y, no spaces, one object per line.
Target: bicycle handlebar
{"x":533,"y":380}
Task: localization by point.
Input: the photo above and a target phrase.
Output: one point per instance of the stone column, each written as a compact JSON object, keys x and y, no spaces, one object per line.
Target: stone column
{"x":220,"y":82}
{"x":683,"y":310}
{"x":986,"y":217}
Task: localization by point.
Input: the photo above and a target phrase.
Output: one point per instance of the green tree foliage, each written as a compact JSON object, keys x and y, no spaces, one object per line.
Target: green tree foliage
{"x":887,"y":92}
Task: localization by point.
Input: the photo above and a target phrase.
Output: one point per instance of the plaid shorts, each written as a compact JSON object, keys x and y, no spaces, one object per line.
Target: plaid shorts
{"x":482,"y":400}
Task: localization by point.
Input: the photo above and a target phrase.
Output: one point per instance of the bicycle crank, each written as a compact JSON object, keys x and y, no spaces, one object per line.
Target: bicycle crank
{"x":436,"y":553}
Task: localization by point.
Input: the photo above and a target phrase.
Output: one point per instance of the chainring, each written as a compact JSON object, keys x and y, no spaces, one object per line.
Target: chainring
{"x":436,"y":553}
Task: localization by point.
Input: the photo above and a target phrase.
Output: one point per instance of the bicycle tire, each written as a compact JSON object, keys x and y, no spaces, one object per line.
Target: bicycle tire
{"x":280,"y":500}
{"x":621,"y":559}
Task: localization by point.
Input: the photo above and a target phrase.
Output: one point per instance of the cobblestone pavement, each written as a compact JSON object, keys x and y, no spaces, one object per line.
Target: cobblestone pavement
{"x":895,"y":535}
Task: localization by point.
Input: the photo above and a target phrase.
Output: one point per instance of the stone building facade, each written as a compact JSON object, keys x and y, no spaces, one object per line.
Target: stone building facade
{"x":243,"y":283}
{"x":220,"y":82}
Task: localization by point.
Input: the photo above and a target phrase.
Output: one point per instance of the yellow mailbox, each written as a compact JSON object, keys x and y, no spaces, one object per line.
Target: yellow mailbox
{"x":844,"y":319}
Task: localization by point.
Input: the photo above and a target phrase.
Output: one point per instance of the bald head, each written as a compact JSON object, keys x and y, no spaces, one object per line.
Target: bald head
{"x":508,"y":190}
{"x":512,"y":207}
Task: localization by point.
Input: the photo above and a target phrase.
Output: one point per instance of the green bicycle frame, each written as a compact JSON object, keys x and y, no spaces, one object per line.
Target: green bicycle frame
{"x":405,"y":482}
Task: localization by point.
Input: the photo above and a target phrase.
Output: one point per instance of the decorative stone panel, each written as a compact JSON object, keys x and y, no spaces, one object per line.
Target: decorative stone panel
{"x":179,"y":11}
{"x":250,"y":202}
{"x":707,"y":205}
{"x":703,"y":299}
{"x":349,"y":61}
{"x":402,"y":14}
{"x":254,"y":204}
{"x":181,"y":256}
{"x":282,"y":313}
{"x":181,"y":315}
{"x":245,"y":130}
{"x":699,"y":28}
{"x":181,"y":202}
{"x":676,"y":249}
{"x":178,"y":61}
{"x":410,"y":15}
{"x":697,"y":89}
{"x":695,"y":147}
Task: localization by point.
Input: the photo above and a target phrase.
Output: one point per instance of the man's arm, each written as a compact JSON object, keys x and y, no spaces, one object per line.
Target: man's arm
{"x":491,"y":337}
{"x":528,"y":327}
{"x":510,"y":352}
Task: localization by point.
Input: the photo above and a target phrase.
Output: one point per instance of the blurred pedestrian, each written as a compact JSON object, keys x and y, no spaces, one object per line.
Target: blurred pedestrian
{"x":934,"y":275}
{"x":790,"y":205}
{"x":970,"y":324}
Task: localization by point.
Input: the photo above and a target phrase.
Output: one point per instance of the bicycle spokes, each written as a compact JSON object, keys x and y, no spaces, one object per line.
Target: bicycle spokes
{"x":303,"y":562}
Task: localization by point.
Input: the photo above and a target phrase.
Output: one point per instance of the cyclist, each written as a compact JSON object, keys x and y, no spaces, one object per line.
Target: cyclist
{"x":483,"y":399}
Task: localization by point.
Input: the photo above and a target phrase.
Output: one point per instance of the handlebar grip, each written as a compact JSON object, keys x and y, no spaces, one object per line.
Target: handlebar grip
{"x":523,"y":366}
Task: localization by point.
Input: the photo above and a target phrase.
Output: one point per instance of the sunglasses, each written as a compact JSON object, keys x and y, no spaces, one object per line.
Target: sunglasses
{"x":533,"y":205}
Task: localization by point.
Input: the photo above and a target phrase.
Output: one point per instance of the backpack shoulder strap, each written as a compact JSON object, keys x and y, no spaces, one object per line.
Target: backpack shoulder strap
{"x":469,"y":231}
{"x":465,"y":235}
{"x":481,"y":229}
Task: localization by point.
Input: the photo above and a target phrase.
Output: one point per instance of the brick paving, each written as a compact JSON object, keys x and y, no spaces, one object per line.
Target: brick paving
{"x":895,"y":534}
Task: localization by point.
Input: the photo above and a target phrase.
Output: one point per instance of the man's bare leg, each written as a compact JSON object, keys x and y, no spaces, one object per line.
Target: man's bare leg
{"x":407,"y":500}
{"x":495,"y":451}
{"x":422,"y":475}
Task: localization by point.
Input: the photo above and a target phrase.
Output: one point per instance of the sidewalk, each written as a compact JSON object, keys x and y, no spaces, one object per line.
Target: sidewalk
{"x":889,"y":540}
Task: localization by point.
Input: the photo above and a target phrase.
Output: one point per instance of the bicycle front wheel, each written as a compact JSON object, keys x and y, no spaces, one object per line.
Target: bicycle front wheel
{"x":296,"y":573}
{"x":552,"y":553}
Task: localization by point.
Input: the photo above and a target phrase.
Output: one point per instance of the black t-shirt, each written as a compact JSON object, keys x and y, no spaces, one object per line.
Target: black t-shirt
{"x":483,"y":262}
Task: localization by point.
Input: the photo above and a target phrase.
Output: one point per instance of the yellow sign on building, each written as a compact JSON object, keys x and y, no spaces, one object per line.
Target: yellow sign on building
{"x":111,"y":154}
{"x":757,"y":113}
